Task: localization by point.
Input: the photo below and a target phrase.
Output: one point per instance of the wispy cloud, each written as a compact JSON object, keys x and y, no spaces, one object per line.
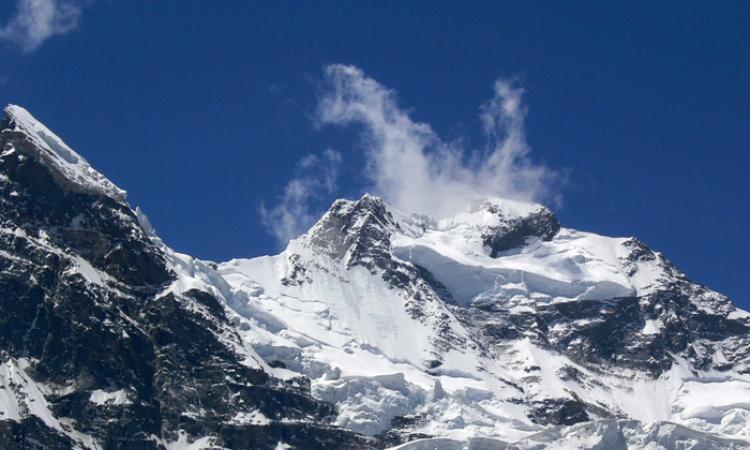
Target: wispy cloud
{"x":299,"y":205}
{"x":407,"y":163}
{"x":414,"y":169}
{"x":36,"y":21}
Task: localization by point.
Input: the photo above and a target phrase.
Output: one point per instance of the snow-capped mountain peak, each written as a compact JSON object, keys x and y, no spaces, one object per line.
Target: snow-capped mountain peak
{"x":498,"y":308}
{"x":497,"y":224}
{"x":29,"y":136}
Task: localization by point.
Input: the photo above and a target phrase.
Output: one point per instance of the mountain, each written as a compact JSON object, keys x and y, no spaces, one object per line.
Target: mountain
{"x":497,"y":322}
{"x":110,"y":339}
{"x":495,"y":328}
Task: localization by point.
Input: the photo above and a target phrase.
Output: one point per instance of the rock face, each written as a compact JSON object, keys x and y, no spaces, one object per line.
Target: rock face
{"x":495,"y":328}
{"x":513,"y":233}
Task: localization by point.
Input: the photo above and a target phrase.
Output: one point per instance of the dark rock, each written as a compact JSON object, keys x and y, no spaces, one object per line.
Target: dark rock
{"x":32,"y":434}
{"x":514,"y":233}
{"x":558,"y":412}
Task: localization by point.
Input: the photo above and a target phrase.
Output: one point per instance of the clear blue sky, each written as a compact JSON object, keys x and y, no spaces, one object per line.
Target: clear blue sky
{"x":200,"y":109}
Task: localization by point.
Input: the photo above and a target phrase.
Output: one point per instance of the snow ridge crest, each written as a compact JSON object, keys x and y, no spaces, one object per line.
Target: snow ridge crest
{"x":71,"y":170}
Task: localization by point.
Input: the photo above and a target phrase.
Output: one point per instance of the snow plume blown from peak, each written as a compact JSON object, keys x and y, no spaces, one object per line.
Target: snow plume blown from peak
{"x":38,"y":20}
{"x":408,"y":164}
{"x":314,"y":181}
{"x":414,"y":170}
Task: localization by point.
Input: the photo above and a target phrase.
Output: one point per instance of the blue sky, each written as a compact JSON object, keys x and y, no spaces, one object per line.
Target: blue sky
{"x":204,"y":110}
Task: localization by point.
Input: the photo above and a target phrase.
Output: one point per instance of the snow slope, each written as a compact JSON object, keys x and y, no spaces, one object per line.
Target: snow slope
{"x":603,"y":434}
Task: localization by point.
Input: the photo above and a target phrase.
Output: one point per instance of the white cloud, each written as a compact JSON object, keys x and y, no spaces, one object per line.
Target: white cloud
{"x":38,"y":20}
{"x":315,"y":180}
{"x":408,"y":164}
{"x":416,"y":171}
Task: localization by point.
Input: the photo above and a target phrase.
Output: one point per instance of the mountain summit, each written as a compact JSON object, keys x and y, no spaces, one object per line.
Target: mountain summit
{"x":495,"y":328}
